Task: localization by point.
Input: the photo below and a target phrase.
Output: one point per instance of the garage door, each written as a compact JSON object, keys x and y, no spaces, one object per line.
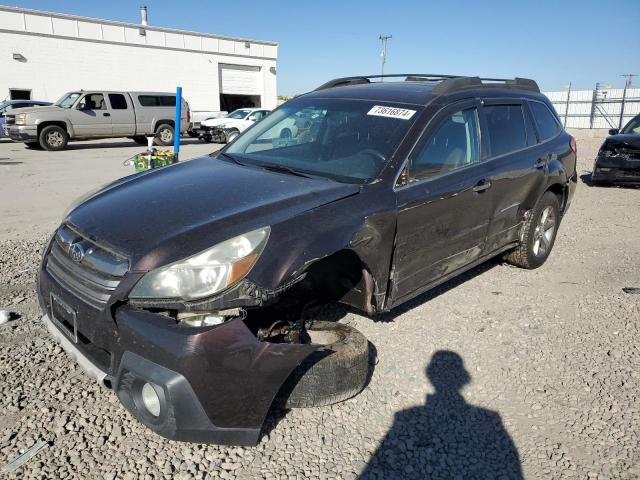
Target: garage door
{"x":240,"y":80}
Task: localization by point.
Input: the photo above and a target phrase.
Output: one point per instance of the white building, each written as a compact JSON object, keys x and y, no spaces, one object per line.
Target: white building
{"x":44,"y":54}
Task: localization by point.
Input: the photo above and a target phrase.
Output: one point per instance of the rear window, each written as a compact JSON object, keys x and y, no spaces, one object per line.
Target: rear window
{"x":118,"y":102}
{"x":506,"y":128}
{"x":545,"y":120}
{"x":157,"y":100}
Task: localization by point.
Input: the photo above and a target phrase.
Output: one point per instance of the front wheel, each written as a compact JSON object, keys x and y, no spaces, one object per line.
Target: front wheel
{"x":53,"y":138}
{"x":231,"y":136}
{"x":164,"y":134}
{"x":539,"y":234}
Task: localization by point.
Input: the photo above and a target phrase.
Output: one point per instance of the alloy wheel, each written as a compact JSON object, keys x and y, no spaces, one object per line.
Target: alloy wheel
{"x":543,"y":234}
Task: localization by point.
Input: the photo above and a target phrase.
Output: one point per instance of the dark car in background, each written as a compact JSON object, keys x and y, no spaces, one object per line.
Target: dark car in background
{"x":10,"y":105}
{"x":618,"y":160}
{"x":179,"y":287}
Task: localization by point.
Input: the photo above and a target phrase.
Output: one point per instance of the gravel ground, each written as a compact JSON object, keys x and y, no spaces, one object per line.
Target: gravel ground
{"x":502,"y":373}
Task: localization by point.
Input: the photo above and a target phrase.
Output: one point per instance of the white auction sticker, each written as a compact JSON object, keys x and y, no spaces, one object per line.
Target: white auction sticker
{"x":391,"y":112}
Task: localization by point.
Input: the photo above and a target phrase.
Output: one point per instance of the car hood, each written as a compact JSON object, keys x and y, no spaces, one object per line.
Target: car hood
{"x":622,"y":140}
{"x":34,"y":109}
{"x":214,"y":122}
{"x":167,"y":214}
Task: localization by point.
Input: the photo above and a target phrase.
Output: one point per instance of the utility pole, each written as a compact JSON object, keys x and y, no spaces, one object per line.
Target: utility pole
{"x":627,"y":85}
{"x":383,"y":54}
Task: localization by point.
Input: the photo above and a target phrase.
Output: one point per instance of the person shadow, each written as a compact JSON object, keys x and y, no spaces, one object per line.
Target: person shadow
{"x":446,"y":438}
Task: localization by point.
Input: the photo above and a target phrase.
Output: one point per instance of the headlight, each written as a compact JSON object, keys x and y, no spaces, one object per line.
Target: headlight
{"x":207,"y":272}
{"x":21,"y":118}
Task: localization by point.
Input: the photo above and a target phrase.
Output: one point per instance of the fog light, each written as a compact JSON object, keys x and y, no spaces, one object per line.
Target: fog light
{"x":150,"y":399}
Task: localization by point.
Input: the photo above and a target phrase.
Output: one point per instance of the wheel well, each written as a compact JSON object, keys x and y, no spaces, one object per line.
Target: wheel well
{"x":160,"y":122}
{"x":48,"y":124}
{"x":340,"y":277}
{"x":561,"y":193}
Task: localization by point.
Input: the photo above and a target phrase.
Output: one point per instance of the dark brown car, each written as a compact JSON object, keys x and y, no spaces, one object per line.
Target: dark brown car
{"x":164,"y":284}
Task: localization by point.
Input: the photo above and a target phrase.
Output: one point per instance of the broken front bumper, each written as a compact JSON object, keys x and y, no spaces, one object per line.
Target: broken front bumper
{"x":616,"y":169}
{"x":213,"y":384}
{"x":23,"y":133}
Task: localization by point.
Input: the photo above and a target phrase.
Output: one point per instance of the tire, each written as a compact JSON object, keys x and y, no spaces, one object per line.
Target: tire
{"x":539,"y":235}
{"x":232,"y":135}
{"x":53,"y":138}
{"x":332,"y":373}
{"x":33,"y":145}
{"x":140,"y":140}
{"x":164,"y":134}
{"x":286,"y":134}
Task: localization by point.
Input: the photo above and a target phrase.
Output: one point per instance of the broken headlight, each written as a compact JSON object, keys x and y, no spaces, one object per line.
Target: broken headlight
{"x":207,"y":272}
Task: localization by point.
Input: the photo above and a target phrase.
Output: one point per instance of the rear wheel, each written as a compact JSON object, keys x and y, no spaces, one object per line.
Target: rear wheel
{"x":164,"y":134}
{"x":53,"y":138}
{"x":336,"y":371}
{"x":539,"y":234}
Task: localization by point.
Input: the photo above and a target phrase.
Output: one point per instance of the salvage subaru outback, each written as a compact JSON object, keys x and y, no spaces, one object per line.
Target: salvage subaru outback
{"x":159,"y":284}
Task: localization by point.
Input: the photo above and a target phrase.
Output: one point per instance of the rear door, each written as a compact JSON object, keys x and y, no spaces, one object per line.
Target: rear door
{"x":122,"y":115}
{"x":516,"y":167}
{"x":445,"y":206}
{"x":92,"y":116}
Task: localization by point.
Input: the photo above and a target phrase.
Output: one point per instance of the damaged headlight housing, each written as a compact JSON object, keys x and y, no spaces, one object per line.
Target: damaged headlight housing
{"x":207,"y":272}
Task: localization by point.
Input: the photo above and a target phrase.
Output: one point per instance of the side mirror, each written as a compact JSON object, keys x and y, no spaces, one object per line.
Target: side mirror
{"x":614,"y":131}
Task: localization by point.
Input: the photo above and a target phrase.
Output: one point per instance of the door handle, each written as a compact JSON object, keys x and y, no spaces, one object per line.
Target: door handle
{"x":106,"y":114}
{"x":482,"y":186}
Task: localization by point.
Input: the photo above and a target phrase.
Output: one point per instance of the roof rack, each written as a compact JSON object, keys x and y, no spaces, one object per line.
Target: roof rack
{"x":443,"y":83}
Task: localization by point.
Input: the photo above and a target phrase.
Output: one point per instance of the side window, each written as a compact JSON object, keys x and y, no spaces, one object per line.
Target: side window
{"x":157,"y":100}
{"x":455,"y":144}
{"x":118,"y":102}
{"x":92,"y":101}
{"x":506,"y":128}
{"x":545,"y":120}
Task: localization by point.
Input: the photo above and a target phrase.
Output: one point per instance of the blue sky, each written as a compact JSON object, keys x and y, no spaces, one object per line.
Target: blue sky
{"x":553,"y":42}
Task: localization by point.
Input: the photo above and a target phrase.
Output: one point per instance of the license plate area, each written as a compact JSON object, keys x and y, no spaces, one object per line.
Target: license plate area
{"x":64,"y":317}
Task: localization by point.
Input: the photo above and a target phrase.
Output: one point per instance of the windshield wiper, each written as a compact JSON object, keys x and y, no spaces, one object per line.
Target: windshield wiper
{"x":284,"y":169}
{"x":231,"y":157}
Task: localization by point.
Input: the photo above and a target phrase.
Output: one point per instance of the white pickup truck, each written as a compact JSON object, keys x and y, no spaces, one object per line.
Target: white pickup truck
{"x":98,"y":114}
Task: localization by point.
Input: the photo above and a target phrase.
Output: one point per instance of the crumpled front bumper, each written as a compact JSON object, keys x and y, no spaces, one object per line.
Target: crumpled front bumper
{"x":23,"y":133}
{"x":215,"y":384}
{"x":616,"y":169}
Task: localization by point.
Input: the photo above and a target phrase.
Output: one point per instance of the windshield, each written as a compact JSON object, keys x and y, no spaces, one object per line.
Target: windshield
{"x":239,"y":114}
{"x":68,"y":100}
{"x":347,"y":140}
{"x":633,"y":127}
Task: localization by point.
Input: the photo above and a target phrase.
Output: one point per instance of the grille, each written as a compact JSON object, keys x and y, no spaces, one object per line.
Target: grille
{"x":95,"y":277}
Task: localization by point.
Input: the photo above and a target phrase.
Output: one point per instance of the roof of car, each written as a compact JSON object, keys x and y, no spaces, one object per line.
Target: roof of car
{"x":421,"y":89}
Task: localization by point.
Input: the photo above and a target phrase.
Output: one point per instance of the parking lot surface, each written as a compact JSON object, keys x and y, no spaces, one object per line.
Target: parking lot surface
{"x":501,"y":373}
{"x":37,"y":185}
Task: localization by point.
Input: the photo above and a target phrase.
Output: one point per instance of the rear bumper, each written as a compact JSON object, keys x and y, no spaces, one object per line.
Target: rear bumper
{"x":616,"y":170}
{"x":215,"y":384}
{"x":23,"y":133}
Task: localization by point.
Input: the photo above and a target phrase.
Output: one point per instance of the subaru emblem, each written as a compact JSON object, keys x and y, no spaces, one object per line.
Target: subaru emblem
{"x":76,"y":252}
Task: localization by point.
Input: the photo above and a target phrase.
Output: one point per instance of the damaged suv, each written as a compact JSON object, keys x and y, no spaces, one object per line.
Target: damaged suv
{"x":163,"y":285}
{"x":618,"y":161}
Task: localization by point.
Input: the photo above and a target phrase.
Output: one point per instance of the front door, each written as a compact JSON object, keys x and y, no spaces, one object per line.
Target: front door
{"x":92,"y":117}
{"x":444,"y":206}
